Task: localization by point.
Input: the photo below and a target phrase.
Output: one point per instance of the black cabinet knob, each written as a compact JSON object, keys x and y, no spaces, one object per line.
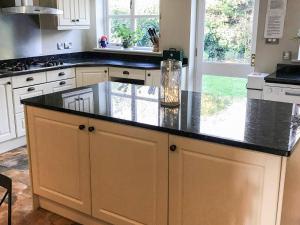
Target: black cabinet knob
{"x":149,"y":74}
{"x":105,"y":71}
{"x":81,"y":127}
{"x":173,"y":148}
{"x":91,"y":129}
{"x":73,"y":21}
{"x":8,"y":83}
{"x":77,"y":20}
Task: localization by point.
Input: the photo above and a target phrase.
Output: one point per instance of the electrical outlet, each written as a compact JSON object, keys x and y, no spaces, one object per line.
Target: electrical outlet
{"x":68,"y":45}
{"x":272,"y":41}
{"x":60,"y":46}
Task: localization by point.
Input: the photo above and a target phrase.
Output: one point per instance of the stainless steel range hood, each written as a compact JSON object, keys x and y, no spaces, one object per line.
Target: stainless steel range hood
{"x":26,"y":7}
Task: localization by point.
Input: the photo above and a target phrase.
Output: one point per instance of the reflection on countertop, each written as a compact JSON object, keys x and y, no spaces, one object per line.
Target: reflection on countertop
{"x":259,"y":125}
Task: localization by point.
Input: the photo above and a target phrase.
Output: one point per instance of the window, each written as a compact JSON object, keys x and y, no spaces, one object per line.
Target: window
{"x":138,"y":15}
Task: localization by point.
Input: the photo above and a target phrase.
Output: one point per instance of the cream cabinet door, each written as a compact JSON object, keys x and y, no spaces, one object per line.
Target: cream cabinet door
{"x":129,"y":172}
{"x":93,"y":75}
{"x":68,"y":18}
{"x":216,"y":184}
{"x":60,"y":157}
{"x":82,"y":12}
{"x":7,"y":122}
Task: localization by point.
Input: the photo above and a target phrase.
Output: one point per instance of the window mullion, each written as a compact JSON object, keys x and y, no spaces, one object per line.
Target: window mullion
{"x":132,"y":14}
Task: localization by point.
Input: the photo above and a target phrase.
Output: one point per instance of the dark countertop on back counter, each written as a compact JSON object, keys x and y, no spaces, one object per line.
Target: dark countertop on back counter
{"x":264,"y":126}
{"x":287,"y":73}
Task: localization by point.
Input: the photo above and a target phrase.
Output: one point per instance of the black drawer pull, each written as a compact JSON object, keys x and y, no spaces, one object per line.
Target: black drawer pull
{"x":77,"y":20}
{"x":30,"y":89}
{"x":61,"y":74}
{"x":29,"y":79}
{"x":91,"y":129}
{"x":81,"y":127}
{"x":62,"y":83}
{"x":125,"y":73}
{"x":73,"y":21}
{"x":173,"y":148}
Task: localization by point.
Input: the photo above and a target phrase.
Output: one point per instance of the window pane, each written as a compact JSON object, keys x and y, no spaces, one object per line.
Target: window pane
{"x":147,"y":92}
{"x":142,"y":26}
{"x":120,"y":88}
{"x":146,"y":7}
{"x":119,"y":7}
{"x":113,"y":24}
{"x":228,"y":30}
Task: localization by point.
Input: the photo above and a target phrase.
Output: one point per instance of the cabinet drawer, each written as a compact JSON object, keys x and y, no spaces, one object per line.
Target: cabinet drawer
{"x":62,"y":85}
{"x":28,"y":80}
{"x":60,"y":74}
{"x":28,"y":92}
{"x":20,"y":124}
{"x":127,"y":73}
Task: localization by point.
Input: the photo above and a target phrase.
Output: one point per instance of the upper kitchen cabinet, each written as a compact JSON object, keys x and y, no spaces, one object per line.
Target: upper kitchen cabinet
{"x":76,"y":15}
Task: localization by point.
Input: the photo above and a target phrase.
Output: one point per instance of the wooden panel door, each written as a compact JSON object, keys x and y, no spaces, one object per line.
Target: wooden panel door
{"x":216,"y":184}
{"x":7,"y":122}
{"x":68,"y":17}
{"x":89,"y":76}
{"x":82,"y":12}
{"x":86,"y":102}
{"x":59,"y":153}
{"x":129,"y":172}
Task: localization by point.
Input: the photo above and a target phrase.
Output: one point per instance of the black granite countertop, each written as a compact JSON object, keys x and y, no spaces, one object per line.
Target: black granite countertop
{"x":285,"y":74}
{"x":90,"y":59}
{"x":259,"y":125}
{"x":70,"y":63}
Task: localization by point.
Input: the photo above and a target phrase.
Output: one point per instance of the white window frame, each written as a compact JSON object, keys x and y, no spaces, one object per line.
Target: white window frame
{"x":132,"y":18}
{"x":219,"y":68}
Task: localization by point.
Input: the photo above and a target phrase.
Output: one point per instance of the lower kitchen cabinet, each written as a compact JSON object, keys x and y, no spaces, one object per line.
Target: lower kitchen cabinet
{"x":60,"y":158}
{"x":7,"y":122}
{"x":129,"y":173}
{"x":126,"y":175}
{"x":216,"y":184}
{"x":91,"y":75}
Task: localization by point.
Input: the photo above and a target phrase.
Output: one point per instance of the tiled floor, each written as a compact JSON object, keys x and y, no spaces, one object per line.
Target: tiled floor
{"x":14,"y":164}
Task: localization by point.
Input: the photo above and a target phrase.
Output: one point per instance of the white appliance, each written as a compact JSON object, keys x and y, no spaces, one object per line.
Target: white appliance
{"x":255,"y":85}
{"x":282,"y":93}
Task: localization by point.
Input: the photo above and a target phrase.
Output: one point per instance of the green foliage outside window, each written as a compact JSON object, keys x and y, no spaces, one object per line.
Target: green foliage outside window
{"x":228,"y":30}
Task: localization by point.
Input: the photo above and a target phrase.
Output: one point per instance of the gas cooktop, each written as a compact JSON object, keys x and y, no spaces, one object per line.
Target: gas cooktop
{"x":29,"y":65}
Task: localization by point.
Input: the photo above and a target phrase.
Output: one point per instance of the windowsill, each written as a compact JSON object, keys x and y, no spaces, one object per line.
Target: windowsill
{"x":128,"y":51}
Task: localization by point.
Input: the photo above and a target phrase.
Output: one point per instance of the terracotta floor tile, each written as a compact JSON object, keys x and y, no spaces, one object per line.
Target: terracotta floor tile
{"x":14,"y":164}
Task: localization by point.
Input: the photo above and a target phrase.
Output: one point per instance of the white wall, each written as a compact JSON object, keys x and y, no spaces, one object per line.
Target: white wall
{"x":175,"y":24}
{"x":267,"y":56}
{"x":51,"y":37}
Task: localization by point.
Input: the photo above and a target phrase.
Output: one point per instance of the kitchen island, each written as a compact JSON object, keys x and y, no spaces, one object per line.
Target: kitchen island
{"x":110,"y":154}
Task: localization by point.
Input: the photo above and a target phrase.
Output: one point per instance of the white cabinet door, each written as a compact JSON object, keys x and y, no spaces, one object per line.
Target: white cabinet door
{"x":7,"y":123}
{"x":82,"y":12}
{"x":153,"y":78}
{"x":68,"y":17}
{"x":92,"y":75}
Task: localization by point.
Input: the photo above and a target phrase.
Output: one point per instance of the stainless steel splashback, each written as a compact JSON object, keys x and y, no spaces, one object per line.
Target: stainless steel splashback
{"x":20,"y":36}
